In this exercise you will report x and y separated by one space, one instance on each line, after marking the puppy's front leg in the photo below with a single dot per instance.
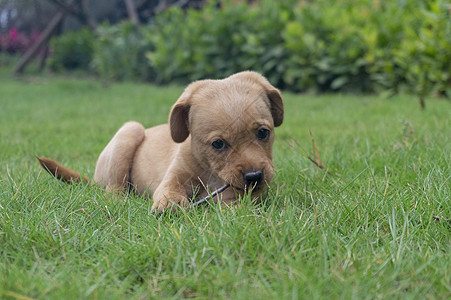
169 195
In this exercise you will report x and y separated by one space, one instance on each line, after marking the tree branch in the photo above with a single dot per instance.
131 11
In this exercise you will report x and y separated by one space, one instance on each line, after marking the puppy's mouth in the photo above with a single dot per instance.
252 189
250 182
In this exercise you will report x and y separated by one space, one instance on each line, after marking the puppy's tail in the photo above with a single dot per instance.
61 172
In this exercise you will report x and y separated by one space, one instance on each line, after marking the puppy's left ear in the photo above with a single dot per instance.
273 94
179 116
276 102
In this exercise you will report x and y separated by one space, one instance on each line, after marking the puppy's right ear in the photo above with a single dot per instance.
179 116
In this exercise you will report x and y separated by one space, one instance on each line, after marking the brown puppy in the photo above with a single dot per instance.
219 132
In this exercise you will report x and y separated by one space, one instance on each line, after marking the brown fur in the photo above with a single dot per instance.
169 161
60 172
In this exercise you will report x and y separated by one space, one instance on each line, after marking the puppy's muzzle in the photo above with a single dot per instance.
253 179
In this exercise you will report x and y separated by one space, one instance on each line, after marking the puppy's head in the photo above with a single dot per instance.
231 122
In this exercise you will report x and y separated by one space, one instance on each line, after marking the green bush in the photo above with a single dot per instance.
119 52
425 52
321 45
217 42
412 47
368 45
72 50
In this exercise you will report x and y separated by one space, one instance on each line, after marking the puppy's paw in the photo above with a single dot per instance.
171 201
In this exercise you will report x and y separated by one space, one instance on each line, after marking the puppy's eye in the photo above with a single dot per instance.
219 145
263 134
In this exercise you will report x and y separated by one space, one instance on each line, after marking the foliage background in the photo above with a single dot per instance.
322 45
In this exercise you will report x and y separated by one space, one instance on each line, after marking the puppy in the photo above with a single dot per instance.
219 132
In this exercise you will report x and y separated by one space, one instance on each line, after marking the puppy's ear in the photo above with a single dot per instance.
273 94
275 100
179 116
277 110
179 120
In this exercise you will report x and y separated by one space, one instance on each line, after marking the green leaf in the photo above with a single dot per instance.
339 82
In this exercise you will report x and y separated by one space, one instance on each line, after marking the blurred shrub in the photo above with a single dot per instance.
321 45
327 47
409 46
72 50
17 42
119 52
367 45
13 42
424 54
215 42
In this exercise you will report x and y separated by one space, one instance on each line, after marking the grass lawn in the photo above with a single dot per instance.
374 223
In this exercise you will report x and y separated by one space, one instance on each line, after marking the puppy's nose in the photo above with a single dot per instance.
253 178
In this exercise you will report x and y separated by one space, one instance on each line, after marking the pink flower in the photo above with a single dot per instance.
13 33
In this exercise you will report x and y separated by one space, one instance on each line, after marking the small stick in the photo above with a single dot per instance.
208 197
318 162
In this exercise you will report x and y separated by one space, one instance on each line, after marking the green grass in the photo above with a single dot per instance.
373 224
